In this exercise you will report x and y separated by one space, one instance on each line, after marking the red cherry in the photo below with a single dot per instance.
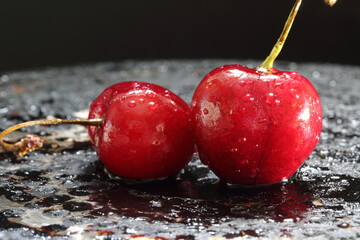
256 126
146 131
253 128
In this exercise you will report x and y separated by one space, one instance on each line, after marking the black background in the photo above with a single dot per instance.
49 33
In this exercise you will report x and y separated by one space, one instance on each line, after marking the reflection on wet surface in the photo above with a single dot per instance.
184 201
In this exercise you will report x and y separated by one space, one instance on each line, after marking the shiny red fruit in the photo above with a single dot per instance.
146 133
255 128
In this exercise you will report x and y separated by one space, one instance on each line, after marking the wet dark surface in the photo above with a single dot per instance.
63 191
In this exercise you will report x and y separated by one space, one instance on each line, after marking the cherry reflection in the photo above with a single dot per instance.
185 201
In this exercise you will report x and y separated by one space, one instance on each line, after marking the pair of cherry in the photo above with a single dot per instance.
251 126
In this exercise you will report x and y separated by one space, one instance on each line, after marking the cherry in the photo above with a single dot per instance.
146 131
253 128
139 131
256 126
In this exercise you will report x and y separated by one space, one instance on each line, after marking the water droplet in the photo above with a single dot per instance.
241 140
240 109
248 98
56 213
344 225
205 111
279 85
152 106
5 78
155 203
261 120
253 172
33 107
141 100
244 161
233 150
12 212
44 191
156 142
242 83
4 110
76 206
208 85
160 127
132 103
272 100
149 93
316 74
111 135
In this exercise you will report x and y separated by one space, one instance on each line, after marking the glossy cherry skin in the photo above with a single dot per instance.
146 133
253 128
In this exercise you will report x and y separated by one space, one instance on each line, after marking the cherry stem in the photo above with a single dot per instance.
31 142
267 65
330 2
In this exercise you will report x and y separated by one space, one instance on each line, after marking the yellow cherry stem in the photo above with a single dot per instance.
31 142
268 64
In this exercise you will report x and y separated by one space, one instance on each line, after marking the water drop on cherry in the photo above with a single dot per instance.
132 103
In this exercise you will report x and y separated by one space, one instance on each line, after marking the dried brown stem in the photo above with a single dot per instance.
31 142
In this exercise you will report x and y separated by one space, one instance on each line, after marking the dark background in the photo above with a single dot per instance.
50 33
